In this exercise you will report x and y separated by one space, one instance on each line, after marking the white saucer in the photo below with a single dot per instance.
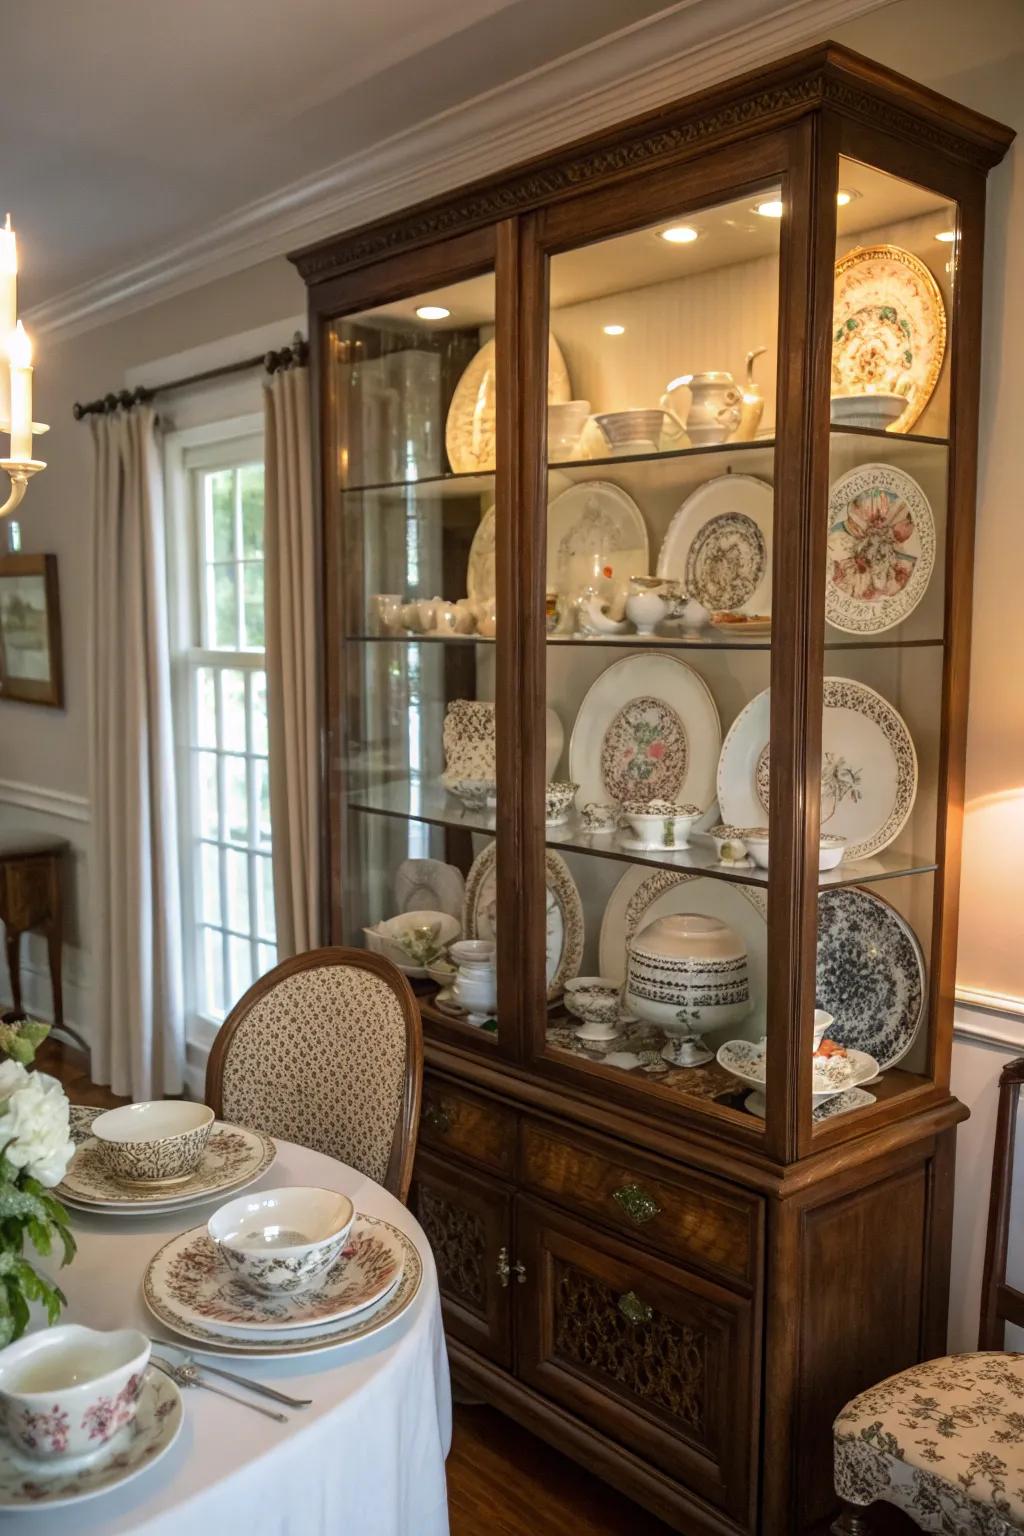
25 1484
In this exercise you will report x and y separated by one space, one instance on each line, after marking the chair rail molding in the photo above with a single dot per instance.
683 49
49 802
994 1018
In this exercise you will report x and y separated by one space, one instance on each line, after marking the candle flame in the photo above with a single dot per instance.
19 347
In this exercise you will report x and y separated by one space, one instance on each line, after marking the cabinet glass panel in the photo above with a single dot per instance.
661 420
414 387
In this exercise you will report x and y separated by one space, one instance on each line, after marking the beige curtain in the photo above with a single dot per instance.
139 1047
292 671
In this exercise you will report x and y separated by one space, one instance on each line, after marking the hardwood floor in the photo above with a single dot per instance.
502 1481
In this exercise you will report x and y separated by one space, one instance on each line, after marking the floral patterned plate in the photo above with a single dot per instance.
196 1279
830 1075
150 1435
881 549
871 974
852 1098
597 538
719 545
868 775
648 729
205 1334
235 1156
888 328
469 431
564 914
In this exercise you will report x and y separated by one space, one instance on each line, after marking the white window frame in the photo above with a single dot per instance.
211 446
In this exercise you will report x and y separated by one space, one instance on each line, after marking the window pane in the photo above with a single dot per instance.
233 710
262 774
268 958
259 711
220 515
236 867
252 580
236 800
209 825
209 883
265 899
240 958
212 990
225 607
206 708
251 481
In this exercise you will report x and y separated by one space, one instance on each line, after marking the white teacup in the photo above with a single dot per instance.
388 610
67 1392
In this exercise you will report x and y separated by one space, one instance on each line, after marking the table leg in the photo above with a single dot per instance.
13 943
54 948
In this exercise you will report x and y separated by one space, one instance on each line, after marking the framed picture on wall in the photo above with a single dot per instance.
30 643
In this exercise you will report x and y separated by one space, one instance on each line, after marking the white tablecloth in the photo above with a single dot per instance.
367 1459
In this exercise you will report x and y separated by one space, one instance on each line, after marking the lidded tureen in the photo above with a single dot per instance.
687 973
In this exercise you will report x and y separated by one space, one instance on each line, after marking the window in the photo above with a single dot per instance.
222 715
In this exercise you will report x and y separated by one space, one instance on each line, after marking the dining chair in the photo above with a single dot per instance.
327 1050
944 1441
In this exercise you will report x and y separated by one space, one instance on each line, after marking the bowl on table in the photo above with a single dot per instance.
158 1142
67 1391
282 1240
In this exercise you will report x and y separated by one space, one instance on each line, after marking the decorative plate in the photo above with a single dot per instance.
747 1060
81 1117
470 428
141 1444
234 1158
597 538
481 569
868 775
564 914
214 1339
888 328
648 729
642 895
719 545
841 1104
194 1277
428 885
881 549
870 974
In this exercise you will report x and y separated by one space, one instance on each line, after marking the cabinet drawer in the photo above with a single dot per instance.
661 1360
692 1217
454 1120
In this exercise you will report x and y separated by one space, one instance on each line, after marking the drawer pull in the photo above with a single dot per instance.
633 1309
638 1205
504 1270
436 1118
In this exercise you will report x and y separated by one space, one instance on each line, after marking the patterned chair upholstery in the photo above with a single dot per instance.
326 1051
943 1441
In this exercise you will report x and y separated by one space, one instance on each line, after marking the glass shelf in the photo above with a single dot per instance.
418 800
448 484
694 641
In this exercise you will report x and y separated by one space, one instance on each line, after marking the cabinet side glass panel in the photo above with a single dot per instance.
661 422
416 773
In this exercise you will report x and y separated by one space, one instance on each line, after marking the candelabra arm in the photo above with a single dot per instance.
20 472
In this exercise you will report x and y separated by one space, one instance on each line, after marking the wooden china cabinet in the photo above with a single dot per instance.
674 1276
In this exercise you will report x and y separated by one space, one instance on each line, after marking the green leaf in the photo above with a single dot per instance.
19 1309
39 1232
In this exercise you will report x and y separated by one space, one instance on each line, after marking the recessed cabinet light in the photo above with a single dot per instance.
432 312
947 236
679 234
846 195
614 330
770 208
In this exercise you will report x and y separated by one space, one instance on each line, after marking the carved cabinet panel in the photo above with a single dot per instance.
468 1221
653 1355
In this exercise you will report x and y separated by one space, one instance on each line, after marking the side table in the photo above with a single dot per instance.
30 897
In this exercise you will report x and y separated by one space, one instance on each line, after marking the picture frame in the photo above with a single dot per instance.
31 670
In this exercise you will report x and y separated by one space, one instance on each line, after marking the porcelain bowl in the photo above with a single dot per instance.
830 847
595 999
471 953
867 410
687 973
600 816
632 431
661 823
558 802
566 421
282 1240
413 940
158 1142
822 1020
68 1391
475 794
729 844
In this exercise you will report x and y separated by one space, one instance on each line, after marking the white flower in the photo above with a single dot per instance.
34 1121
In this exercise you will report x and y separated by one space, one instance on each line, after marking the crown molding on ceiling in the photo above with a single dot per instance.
693 45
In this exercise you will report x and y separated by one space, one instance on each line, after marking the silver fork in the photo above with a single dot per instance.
188 1376
247 1381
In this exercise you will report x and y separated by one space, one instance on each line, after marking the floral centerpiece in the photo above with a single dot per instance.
35 1150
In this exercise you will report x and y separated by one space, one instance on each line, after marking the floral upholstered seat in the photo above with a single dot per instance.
943 1441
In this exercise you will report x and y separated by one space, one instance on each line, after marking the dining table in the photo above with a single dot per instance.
365 1458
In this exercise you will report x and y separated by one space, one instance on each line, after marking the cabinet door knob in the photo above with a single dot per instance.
520 1272
638 1205
436 1118
504 1269
633 1309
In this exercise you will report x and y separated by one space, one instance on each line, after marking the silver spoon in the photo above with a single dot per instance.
246 1381
188 1376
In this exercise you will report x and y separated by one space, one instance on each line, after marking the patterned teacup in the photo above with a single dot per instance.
282 1240
68 1391
158 1142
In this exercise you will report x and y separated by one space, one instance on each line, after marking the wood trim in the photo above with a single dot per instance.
996 1304
403 1145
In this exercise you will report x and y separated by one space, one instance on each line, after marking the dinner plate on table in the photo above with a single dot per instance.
173 1306
234 1158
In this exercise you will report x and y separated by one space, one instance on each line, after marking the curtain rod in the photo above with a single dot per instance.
287 357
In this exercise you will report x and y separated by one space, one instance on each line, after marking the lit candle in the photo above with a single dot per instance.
19 349
8 309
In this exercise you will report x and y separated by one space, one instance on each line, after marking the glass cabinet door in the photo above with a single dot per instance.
411 569
660 513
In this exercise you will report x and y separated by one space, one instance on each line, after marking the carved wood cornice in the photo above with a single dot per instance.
827 77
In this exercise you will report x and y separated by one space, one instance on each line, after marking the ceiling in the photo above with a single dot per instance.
140 124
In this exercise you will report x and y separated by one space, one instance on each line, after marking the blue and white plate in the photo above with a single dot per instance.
870 974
